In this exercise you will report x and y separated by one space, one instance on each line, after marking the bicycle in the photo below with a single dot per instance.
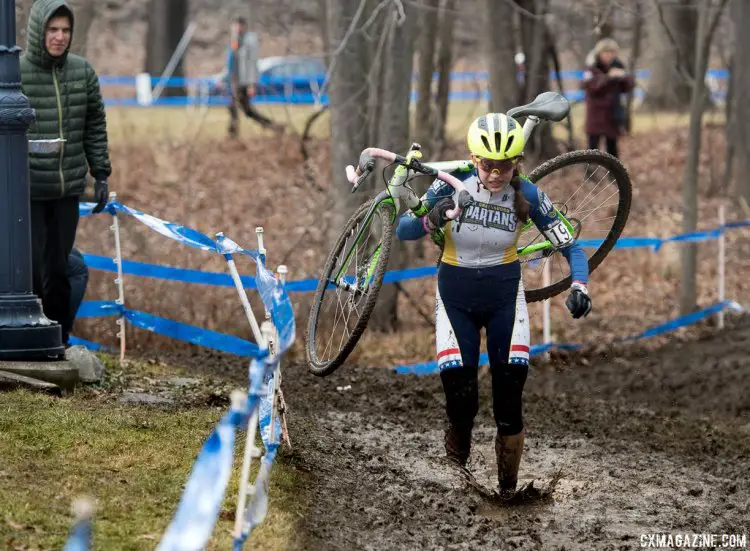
355 267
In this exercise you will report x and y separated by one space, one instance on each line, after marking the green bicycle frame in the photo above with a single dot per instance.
380 198
389 196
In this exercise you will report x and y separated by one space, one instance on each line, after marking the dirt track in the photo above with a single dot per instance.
619 447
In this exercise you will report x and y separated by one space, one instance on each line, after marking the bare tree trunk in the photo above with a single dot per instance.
536 39
672 33
347 95
167 23
730 133
323 6
23 7
444 66
84 12
708 17
428 39
394 135
635 55
380 30
571 143
499 52
740 109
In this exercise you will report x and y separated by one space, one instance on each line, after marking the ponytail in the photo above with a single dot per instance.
520 203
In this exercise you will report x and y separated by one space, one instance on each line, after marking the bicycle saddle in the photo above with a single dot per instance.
551 106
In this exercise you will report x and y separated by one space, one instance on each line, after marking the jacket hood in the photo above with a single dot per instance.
40 14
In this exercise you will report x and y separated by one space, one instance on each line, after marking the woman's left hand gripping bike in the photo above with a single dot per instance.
596 187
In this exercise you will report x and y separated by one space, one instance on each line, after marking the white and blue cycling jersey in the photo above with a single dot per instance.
489 232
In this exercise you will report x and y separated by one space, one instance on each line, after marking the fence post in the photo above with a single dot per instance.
722 264
546 324
243 296
115 227
281 271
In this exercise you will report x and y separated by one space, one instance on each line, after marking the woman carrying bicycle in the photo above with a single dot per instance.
480 286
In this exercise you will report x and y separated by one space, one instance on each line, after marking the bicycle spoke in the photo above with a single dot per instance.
597 195
591 187
583 183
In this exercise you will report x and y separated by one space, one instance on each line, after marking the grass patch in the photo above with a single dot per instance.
132 460
129 125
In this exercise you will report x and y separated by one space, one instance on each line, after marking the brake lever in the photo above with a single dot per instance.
463 203
460 220
369 167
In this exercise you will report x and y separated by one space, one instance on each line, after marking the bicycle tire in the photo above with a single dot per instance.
323 368
624 187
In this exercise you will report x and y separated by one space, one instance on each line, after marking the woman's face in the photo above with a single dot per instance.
607 56
495 175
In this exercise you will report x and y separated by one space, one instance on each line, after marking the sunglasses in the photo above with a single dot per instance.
488 165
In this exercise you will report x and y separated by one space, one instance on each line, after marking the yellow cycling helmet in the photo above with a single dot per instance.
495 136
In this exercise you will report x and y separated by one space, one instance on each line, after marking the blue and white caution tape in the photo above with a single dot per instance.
201 501
192 334
219 279
277 302
99 309
80 535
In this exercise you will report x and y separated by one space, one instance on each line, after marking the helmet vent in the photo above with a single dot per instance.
510 143
498 141
486 143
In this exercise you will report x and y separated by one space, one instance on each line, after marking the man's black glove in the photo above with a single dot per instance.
101 195
578 302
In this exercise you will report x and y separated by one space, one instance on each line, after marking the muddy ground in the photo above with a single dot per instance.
619 444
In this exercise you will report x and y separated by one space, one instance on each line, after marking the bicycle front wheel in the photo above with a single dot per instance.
592 190
348 287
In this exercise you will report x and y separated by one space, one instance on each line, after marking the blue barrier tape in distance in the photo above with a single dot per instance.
455 76
192 334
98 309
429 368
144 269
306 285
95 346
197 239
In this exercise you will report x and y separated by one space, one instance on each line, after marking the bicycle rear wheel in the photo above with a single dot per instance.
596 192
349 286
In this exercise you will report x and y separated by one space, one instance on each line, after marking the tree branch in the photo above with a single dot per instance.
342 45
678 53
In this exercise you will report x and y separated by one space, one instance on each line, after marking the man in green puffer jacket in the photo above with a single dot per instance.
63 89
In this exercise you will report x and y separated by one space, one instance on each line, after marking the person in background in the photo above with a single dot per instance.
78 274
604 82
240 78
63 89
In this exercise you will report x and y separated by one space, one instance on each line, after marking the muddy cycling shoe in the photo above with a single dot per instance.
506 494
457 444
508 451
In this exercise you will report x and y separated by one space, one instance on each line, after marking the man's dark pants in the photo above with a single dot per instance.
241 100
53 232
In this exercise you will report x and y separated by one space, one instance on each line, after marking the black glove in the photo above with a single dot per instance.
578 302
436 218
101 195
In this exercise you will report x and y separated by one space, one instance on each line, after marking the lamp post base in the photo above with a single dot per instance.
25 332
